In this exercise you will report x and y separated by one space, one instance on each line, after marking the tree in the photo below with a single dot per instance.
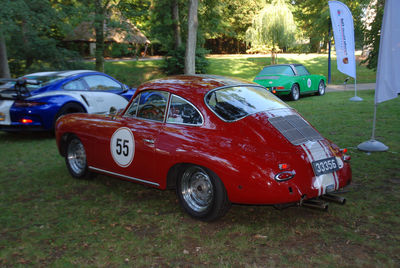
4 69
273 26
372 33
32 33
313 19
191 42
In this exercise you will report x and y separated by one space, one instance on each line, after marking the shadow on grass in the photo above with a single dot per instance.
26 136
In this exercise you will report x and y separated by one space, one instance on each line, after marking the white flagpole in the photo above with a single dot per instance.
373 145
355 98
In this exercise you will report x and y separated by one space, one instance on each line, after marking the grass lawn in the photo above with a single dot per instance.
247 67
50 219
133 73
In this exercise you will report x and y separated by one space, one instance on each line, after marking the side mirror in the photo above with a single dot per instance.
113 111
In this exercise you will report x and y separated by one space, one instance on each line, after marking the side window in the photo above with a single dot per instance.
100 82
182 112
301 70
75 85
132 110
152 105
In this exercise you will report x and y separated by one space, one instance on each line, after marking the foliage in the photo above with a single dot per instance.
273 26
33 33
313 19
174 62
372 35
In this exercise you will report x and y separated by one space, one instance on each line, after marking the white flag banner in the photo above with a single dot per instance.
343 33
388 72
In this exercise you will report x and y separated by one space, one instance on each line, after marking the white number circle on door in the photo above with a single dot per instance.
122 146
309 82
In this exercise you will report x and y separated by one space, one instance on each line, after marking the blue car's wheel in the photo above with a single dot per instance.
69 108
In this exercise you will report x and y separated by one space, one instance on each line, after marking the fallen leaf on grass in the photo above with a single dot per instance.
258 236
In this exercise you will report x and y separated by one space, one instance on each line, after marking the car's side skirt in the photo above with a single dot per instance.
123 176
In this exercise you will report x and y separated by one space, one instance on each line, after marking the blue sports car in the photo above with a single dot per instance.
35 101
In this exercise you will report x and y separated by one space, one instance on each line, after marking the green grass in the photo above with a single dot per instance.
134 73
248 67
47 218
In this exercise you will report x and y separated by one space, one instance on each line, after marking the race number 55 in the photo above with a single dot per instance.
122 146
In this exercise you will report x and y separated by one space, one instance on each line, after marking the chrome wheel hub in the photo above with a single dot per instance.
197 189
76 156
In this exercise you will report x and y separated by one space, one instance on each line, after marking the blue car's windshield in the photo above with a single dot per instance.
234 103
277 70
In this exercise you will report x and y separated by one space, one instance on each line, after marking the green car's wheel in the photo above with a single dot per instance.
295 92
321 88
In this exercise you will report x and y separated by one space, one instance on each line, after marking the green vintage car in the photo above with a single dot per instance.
291 79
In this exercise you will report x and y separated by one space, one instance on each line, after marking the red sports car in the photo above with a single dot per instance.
215 140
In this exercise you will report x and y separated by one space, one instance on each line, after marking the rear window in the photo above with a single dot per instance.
234 103
277 70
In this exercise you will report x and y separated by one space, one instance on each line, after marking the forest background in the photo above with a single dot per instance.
33 32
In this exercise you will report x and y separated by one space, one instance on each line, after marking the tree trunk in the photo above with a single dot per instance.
190 56
99 30
4 70
177 26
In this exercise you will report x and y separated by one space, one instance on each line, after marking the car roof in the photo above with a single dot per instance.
186 85
289 64
61 73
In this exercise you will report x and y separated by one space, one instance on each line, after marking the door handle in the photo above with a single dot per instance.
149 141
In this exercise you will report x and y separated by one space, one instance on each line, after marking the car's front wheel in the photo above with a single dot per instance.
295 92
321 88
201 193
75 158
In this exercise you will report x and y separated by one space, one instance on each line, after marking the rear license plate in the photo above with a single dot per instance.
325 166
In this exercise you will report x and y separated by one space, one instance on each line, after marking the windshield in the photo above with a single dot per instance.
234 103
277 70
44 80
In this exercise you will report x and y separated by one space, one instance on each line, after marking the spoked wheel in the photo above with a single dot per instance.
295 92
202 194
75 159
321 88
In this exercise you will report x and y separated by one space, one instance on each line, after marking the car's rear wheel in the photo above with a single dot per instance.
75 158
202 194
295 92
321 88
69 108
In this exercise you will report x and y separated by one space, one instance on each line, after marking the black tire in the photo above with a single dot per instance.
295 92
75 159
321 88
201 193
68 108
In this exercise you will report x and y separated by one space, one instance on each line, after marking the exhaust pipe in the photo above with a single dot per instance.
315 204
334 198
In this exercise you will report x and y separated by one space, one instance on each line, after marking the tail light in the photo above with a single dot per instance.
345 157
26 121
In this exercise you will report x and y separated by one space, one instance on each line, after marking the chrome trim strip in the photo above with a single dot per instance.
123 176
